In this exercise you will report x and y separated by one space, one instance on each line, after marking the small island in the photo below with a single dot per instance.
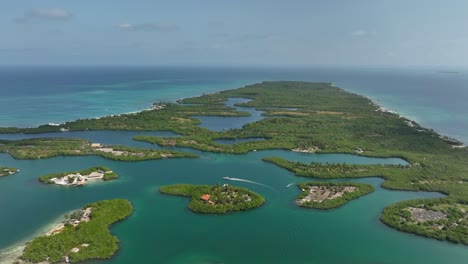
80 178
215 199
6 171
83 235
441 219
328 195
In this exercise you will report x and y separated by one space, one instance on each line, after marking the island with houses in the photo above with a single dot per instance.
6 171
80 178
328 195
82 235
215 199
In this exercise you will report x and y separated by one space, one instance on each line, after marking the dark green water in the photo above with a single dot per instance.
163 230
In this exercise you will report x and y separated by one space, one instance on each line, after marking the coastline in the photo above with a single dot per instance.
10 254
140 103
413 118
382 104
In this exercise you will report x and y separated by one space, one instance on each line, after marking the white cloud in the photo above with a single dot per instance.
45 13
359 33
148 27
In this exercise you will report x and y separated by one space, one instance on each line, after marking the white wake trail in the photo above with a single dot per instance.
243 180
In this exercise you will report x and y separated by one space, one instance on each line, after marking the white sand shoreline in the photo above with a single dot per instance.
10 254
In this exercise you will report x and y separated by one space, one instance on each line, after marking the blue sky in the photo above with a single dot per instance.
235 32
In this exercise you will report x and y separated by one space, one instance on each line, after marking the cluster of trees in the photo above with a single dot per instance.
455 226
52 147
95 233
138 154
361 189
224 199
340 170
45 147
205 143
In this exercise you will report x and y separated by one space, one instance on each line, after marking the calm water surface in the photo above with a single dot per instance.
162 229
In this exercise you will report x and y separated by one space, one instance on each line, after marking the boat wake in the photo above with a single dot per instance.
289 185
243 180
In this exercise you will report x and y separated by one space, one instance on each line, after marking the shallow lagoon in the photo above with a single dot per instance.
219 123
163 230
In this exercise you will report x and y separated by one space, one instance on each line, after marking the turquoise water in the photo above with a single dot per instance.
216 123
103 137
162 229
30 96
55 95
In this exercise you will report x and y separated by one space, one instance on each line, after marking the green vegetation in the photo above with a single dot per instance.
391 173
5 171
215 199
92 237
107 174
327 119
41 148
328 195
442 219
173 117
204 144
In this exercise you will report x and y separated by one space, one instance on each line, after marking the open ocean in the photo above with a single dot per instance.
162 229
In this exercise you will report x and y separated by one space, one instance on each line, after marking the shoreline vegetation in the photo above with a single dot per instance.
329 195
299 116
42 148
215 199
6 171
434 218
82 235
79 178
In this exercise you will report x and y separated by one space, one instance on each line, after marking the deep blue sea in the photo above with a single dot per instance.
30 96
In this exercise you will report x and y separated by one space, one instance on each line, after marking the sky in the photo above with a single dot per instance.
234 32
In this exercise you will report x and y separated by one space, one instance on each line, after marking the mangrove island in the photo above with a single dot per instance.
439 219
83 235
216 199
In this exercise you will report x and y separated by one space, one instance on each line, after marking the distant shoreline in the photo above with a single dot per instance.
376 101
